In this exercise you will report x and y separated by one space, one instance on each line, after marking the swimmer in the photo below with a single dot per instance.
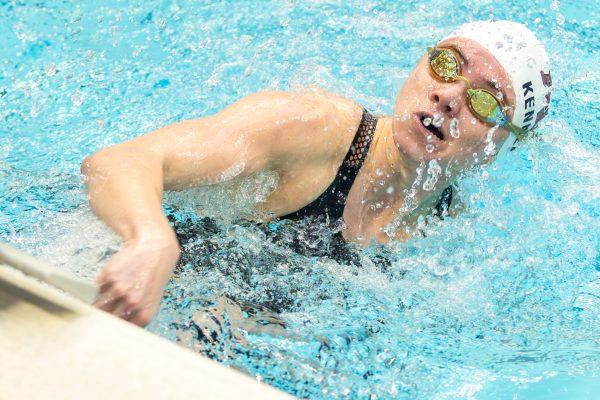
474 95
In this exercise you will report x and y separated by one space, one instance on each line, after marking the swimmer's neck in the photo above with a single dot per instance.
385 182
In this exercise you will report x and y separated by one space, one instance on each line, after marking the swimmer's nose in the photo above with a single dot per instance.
450 98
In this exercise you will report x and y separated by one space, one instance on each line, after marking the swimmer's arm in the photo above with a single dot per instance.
126 182
267 130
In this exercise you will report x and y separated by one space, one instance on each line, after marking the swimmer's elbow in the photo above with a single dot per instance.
86 165
92 163
97 162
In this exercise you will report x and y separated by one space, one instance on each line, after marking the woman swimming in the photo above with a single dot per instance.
469 98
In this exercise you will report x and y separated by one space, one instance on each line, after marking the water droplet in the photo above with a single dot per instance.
454 131
34 110
50 70
77 99
390 190
438 120
427 121
421 222
430 148
473 120
490 149
433 173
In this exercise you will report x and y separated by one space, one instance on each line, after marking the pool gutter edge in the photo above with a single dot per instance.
56 346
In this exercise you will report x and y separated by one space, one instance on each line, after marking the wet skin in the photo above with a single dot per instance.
303 137
423 94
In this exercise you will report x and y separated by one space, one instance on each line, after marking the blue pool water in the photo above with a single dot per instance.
502 302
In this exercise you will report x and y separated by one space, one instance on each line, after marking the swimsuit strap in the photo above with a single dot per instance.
331 202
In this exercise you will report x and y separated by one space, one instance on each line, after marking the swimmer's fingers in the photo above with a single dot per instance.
108 299
142 317
125 303
126 310
130 306
110 291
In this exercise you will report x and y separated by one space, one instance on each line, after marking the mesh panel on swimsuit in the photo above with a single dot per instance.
331 202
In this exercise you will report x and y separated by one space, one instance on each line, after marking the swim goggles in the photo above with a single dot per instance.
444 66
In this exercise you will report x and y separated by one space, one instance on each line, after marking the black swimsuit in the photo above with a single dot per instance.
332 201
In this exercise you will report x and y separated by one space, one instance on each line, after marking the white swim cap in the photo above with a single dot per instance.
525 60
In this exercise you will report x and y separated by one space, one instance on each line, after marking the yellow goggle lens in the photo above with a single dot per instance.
483 103
444 64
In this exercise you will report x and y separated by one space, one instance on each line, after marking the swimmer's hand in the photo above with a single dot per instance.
133 280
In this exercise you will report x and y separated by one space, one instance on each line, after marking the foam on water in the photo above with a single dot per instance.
501 301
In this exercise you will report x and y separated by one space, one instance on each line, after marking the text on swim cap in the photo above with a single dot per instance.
529 103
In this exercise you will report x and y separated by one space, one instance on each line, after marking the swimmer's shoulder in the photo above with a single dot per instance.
331 105
309 104
309 124
335 117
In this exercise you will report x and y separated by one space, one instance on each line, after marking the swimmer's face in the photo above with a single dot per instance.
423 96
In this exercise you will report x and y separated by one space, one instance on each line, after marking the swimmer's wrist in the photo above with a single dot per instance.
159 236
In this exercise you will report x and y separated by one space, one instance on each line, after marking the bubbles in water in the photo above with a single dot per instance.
454 131
430 147
427 121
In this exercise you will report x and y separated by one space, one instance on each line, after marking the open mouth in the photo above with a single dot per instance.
428 123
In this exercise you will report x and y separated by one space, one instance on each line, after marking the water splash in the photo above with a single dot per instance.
498 301
433 174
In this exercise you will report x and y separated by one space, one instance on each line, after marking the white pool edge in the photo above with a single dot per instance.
53 345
